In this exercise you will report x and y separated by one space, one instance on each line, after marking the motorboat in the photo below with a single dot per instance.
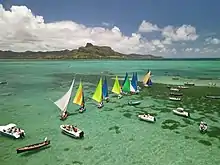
175 98
203 127
72 131
174 89
12 130
134 102
183 87
189 84
213 97
33 146
176 94
181 112
175 78
3 82
147 117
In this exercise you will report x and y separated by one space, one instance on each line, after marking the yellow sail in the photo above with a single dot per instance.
116 87
79 95
97 96
146 77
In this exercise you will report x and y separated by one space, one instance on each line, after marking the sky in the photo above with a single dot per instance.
169 28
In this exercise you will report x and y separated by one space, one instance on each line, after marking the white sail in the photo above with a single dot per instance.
63 102
132 88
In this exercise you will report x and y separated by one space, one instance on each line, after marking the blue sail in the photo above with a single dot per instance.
134 82
126 76
136 77
105 89
149 82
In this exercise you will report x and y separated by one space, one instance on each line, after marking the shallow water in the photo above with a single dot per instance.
114 134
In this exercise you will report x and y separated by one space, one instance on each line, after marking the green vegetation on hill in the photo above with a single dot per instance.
88 52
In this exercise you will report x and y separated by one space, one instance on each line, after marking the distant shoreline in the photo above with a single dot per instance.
102 59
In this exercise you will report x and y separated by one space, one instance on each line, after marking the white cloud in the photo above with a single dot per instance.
147 27
214 41
20 30
183 33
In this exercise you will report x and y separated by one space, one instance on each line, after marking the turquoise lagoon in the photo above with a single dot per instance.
114 134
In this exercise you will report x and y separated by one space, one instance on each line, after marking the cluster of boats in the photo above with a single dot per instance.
100 95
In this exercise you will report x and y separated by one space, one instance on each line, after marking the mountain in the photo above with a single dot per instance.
88 52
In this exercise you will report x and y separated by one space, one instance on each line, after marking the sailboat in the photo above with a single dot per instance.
98 95
133 85
126 76
63 102
126 87
136 79
117 88
147 80
79 98
105 91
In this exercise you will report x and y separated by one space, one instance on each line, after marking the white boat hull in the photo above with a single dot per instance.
78 134
184 113
147 118
174 89
175 98
4 131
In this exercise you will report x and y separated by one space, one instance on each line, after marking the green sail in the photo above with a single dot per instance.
126 86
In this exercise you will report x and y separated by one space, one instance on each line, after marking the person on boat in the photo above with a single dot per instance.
74 128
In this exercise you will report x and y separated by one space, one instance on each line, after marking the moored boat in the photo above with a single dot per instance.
213 97
3 82
12 130
33 146
134 102
176 94
147 117
181 112
72 131
183 87
203 127
189 84
174 89
175 98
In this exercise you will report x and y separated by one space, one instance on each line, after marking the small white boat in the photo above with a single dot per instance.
181 112
72 131
175 98
189 84
203 127
12 130
183 87
147 118
134 102
174 89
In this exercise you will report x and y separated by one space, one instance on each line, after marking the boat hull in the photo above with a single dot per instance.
33 147
174 99
4 132
184 114
134 103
